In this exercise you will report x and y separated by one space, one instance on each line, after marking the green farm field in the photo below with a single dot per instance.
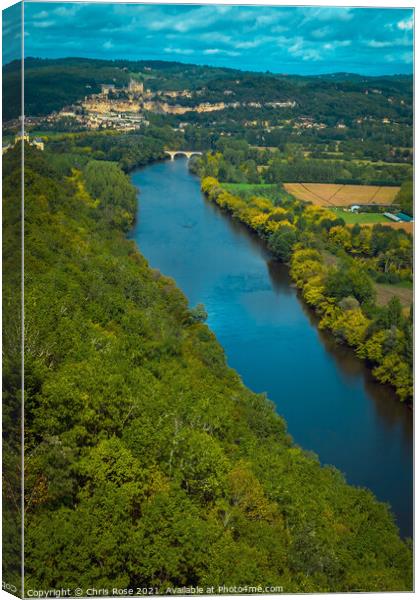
360 218
255 188
272 191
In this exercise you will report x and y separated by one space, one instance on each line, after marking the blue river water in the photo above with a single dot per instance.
331 403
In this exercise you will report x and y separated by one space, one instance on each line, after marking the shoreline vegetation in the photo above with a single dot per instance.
148 462
331 264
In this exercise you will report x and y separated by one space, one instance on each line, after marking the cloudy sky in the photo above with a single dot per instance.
280 39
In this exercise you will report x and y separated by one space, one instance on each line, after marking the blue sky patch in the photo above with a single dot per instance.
303 40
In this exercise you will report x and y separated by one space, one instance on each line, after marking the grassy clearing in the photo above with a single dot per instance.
361 218
48 134
272 191
255 188
329 259
386 291
380 163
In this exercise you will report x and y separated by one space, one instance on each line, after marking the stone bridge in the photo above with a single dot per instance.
187 153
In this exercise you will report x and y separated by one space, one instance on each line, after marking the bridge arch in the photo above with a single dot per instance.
187 153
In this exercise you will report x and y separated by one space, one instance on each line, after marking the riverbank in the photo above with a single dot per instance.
343 296
332 404
146 452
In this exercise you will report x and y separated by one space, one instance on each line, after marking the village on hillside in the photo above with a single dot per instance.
125 108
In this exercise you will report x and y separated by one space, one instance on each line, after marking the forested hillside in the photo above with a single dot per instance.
52 83
148 462
12 371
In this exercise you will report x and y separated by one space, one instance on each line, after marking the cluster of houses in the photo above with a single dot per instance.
36 142
124 108
111 108
305 122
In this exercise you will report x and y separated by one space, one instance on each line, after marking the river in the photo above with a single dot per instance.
329 399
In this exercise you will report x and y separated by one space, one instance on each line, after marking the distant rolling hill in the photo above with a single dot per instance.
51 84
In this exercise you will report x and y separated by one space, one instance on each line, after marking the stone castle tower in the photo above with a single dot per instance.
135 87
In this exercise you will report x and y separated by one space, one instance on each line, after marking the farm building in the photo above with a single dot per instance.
391 216
403 217
398 217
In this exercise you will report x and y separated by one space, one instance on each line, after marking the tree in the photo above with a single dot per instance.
341 237
349 281
281 242
394 370
202 464
198 314
405 196
393 313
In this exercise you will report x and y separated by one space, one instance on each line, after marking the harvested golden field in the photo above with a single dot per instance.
332 194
